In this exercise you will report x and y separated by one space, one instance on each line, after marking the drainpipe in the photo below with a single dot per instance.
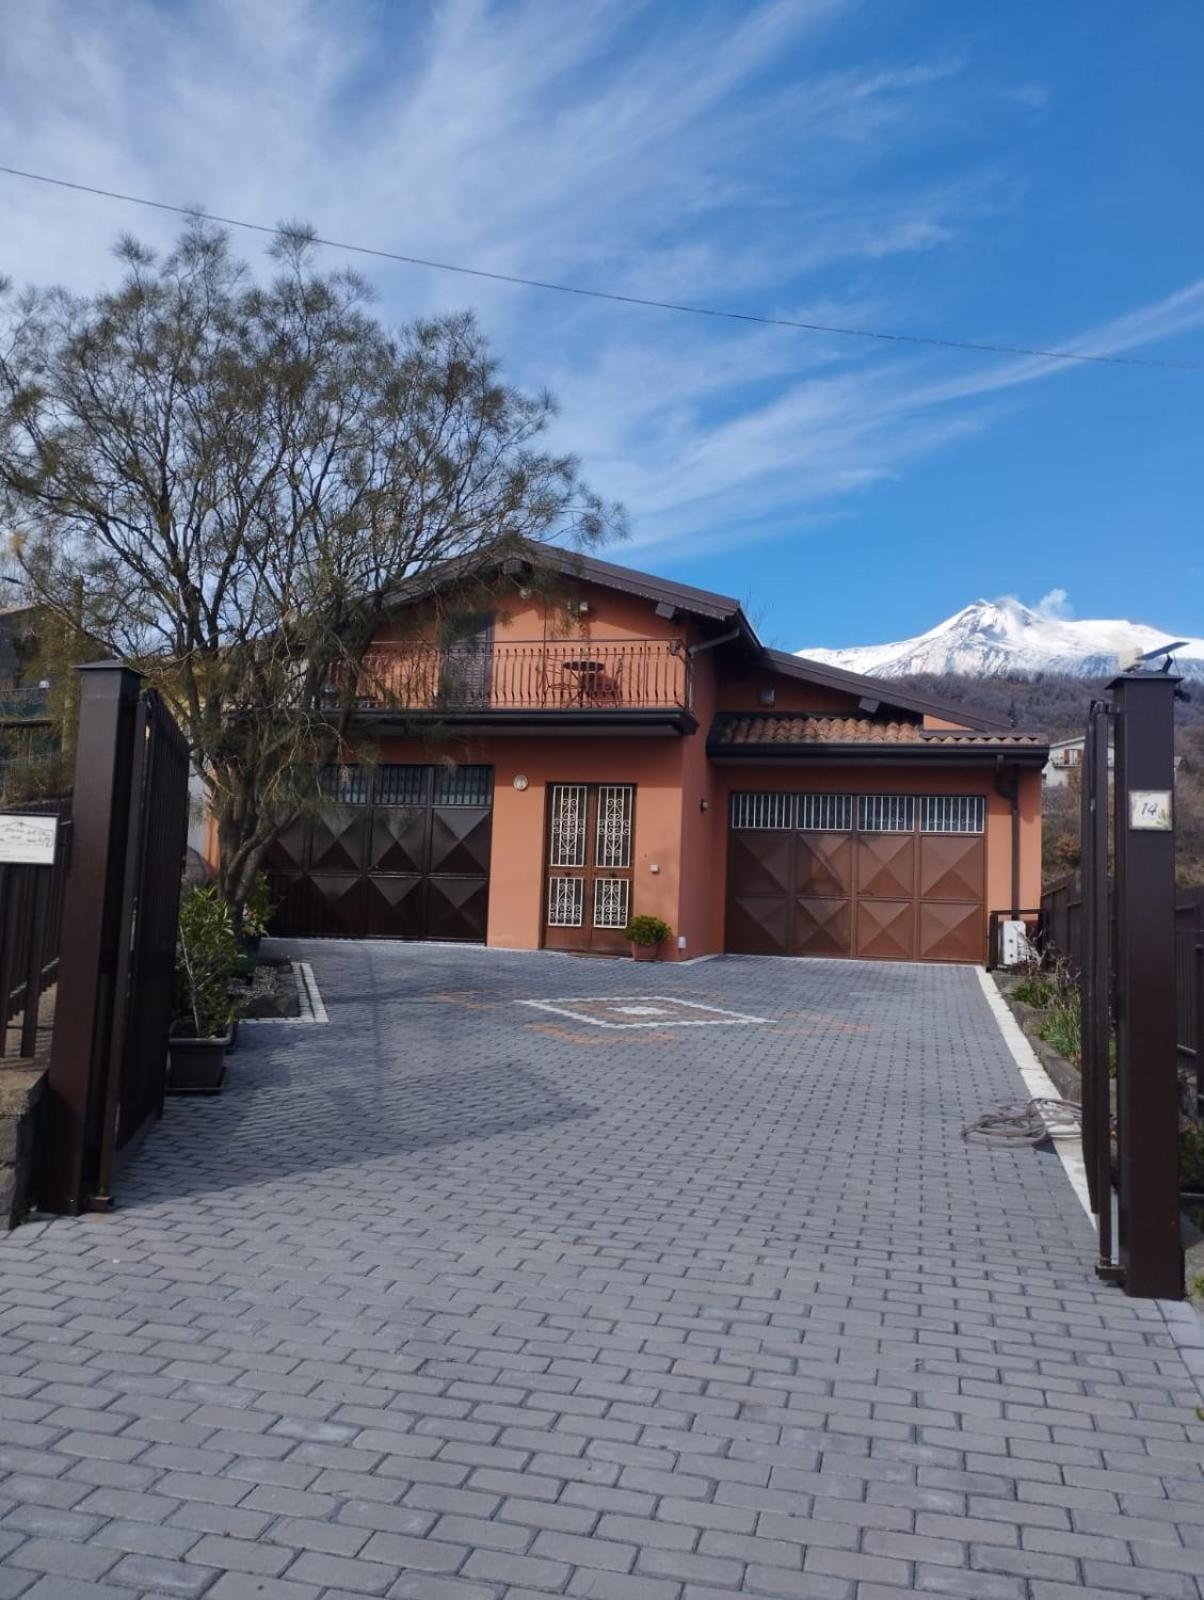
1008 786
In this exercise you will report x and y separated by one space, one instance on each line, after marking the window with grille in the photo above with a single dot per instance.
463 786
399 785
762 810
613 843
826 813
952 813
886 813
346 785
612 897
568 829
566 901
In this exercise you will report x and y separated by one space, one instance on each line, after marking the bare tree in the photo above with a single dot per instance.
237 476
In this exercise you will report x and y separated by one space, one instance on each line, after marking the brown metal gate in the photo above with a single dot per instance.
884 877
398 851
108 1058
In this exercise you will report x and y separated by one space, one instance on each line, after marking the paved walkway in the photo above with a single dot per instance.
461 1299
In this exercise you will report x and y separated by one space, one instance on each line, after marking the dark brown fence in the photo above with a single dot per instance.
1189 976
1062 919
31 909
1062 931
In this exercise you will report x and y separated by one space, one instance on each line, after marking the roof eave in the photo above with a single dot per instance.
881 689
930 754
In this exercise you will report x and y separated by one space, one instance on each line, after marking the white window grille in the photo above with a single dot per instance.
566 902
826 813
568 827
612 897
952 813
762 810
613 844
886 813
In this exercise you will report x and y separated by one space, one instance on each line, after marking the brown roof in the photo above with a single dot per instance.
792 729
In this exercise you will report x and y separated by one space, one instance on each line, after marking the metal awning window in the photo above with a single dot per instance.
887 813
463 786
825 813
952 813
762 810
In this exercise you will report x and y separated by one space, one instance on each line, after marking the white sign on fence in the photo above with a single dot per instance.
27 840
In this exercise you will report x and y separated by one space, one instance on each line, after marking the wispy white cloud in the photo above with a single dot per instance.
612 143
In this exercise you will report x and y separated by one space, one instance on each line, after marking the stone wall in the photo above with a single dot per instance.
22 1096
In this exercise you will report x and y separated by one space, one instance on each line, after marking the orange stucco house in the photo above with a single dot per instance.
590 742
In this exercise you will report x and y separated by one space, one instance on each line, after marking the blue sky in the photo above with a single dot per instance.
1025 173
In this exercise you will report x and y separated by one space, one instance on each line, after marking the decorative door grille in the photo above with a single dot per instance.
566 901
568 825
612 900
613 843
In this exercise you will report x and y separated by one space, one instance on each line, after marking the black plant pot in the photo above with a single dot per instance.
196 1066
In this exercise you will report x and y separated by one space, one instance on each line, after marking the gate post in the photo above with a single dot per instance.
1151 1254
92 932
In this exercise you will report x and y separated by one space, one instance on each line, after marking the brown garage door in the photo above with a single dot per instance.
893 877
397 852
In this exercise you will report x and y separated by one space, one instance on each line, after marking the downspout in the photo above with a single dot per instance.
1008 786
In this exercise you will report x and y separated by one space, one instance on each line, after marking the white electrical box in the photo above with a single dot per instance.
1015 946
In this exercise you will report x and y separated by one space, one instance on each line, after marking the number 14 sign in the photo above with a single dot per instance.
1150 810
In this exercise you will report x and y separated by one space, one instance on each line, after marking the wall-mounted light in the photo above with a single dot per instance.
766 697
520 781
704 805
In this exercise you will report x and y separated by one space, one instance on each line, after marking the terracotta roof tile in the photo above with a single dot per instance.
800 728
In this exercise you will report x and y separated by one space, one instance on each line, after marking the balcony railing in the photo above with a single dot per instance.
541 675
21 700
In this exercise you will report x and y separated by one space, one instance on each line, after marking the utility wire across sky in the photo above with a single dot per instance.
977 347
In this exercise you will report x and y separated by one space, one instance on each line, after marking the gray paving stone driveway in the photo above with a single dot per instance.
461 1299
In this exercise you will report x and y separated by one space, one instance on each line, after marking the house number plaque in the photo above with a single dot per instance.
1150 810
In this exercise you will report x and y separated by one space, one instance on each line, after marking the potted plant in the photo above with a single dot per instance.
646 935
207 958
257 911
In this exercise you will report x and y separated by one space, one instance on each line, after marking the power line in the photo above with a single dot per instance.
622 299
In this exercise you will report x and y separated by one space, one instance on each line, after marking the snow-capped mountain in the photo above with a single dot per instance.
994 638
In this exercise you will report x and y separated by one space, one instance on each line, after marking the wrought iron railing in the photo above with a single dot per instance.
561 674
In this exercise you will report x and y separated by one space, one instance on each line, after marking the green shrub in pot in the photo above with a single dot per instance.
646 935
207 963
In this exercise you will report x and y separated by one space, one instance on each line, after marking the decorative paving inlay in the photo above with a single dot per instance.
653 1011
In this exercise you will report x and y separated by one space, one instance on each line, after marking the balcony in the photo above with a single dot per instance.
24 703
587 684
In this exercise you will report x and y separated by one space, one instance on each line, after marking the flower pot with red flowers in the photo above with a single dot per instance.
646 935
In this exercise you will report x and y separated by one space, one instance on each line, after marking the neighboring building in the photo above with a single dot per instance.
623 744
1066 758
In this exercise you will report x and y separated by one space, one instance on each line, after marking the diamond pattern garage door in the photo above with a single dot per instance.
401 852
885 877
